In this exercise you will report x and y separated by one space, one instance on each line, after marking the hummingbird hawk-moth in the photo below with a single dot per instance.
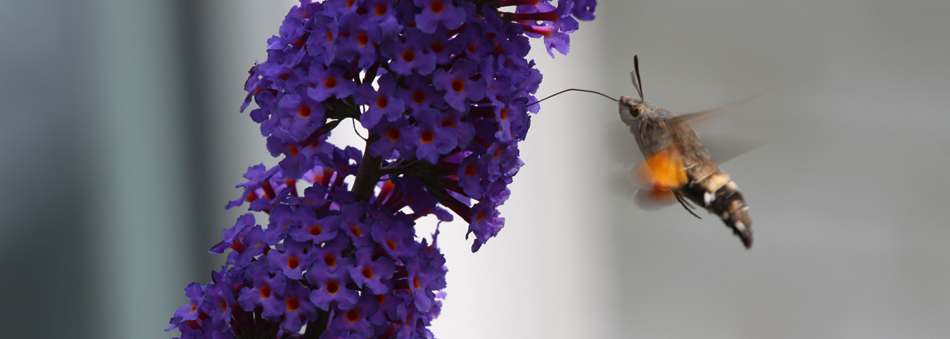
678 163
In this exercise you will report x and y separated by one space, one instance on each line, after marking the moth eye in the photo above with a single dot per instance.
637 110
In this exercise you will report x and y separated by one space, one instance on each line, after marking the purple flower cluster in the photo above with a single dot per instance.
442 86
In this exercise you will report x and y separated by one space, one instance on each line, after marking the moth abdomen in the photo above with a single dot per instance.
726 202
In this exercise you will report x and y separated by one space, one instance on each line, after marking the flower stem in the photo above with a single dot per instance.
369 173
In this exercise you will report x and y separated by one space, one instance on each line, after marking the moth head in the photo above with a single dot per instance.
631 109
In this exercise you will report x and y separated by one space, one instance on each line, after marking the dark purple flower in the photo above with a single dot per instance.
502 160
421 95
357 229
435 12
233 235
299 115
330 287
324 32
463 129
396 237
409 57
281 218
257 176
458 84
384 102
331 254
444 45
297 307
354 320
392 137
359 38
470 174
250 246
371 273
265 291
485 222
329 82
218 304
294 258
313 229
426 274
195 293
430 138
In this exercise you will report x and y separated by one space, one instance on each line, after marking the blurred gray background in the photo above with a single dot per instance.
121 143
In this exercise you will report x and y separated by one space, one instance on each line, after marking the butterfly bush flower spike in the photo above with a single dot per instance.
329 248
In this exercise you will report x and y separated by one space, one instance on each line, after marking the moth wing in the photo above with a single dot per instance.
659 174
637 184
698 117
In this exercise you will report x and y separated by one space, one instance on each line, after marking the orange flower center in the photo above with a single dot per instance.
426 137
408 56
392 134
437 7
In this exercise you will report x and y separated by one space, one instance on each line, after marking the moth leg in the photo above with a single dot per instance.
685 206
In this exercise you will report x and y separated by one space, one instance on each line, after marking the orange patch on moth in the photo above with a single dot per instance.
665 170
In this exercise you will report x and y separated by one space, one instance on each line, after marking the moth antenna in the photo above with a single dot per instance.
633 79
638 84
572 89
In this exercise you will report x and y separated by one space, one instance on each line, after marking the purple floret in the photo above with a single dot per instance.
430 138
435 12
265 291
354 320
297 306
370 273
291 260
330 287
458 85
